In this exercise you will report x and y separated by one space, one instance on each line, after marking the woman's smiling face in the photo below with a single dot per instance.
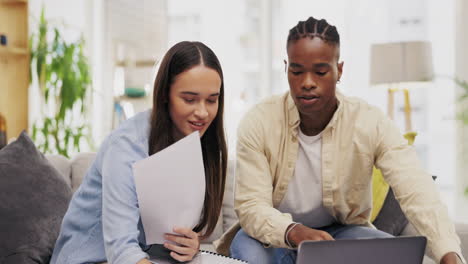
193 100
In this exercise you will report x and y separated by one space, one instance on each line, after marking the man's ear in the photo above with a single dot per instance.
285 65
340 69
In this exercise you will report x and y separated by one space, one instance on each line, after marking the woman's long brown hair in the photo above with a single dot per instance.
182 57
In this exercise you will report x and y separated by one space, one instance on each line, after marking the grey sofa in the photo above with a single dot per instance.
75 169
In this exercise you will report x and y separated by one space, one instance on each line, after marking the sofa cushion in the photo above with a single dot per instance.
380 189
62 165
34 197
80 165
391 218
379 193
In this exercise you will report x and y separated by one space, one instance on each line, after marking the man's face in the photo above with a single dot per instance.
313 71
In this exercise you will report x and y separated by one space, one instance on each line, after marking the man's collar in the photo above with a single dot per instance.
293 112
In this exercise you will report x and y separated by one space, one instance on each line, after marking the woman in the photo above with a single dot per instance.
103 222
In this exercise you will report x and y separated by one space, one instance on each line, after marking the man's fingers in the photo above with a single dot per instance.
327 236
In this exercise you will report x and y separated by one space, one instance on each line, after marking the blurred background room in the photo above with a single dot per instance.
407 57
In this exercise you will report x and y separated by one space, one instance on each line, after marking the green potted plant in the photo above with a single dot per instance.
62 73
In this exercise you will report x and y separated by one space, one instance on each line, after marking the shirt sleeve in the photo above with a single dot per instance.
120 214
415 191
254 187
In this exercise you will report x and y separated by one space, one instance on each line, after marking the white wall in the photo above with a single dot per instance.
74 14
97 48
462 131
219 25
132 31
440 111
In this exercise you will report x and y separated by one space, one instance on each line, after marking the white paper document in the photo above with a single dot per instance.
170 187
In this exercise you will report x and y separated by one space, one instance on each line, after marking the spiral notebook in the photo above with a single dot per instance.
203 257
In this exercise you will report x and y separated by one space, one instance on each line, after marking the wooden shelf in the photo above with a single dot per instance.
13 2
14 65
13 51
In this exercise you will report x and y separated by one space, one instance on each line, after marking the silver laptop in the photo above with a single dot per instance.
401 250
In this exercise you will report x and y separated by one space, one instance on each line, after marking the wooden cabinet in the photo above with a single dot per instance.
14 65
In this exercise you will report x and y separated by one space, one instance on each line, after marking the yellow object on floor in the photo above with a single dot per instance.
380 187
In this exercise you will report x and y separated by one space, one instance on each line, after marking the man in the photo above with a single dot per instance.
305 159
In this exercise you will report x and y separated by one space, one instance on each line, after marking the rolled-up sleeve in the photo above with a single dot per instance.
415 191
120 213
254 187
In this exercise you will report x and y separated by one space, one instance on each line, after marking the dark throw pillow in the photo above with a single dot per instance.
33 200
391 218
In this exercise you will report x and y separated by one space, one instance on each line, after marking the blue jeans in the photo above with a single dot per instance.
249 249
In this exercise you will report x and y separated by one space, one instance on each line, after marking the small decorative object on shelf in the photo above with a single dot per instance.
3 138
3 40
135 92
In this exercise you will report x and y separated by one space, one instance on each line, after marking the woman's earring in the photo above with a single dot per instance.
338 81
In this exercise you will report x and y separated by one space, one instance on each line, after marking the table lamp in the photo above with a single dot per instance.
396 65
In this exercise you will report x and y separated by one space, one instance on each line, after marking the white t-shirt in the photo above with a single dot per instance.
303 199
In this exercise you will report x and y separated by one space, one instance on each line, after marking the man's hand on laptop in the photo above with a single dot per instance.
450 258
299 233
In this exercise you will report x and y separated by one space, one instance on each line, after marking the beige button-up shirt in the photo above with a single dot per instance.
358 137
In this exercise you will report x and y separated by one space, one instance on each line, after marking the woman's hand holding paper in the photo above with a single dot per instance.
186 245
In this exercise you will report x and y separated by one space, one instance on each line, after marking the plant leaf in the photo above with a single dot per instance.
63 73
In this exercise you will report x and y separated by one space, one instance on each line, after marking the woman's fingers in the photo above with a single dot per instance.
182 240
181 258
188 237
185 244
186 232
180 249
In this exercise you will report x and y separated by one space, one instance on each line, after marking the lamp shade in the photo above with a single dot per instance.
401 62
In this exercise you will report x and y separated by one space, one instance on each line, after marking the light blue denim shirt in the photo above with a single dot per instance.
103 221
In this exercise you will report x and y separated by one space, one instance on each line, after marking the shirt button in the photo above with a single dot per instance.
293 139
